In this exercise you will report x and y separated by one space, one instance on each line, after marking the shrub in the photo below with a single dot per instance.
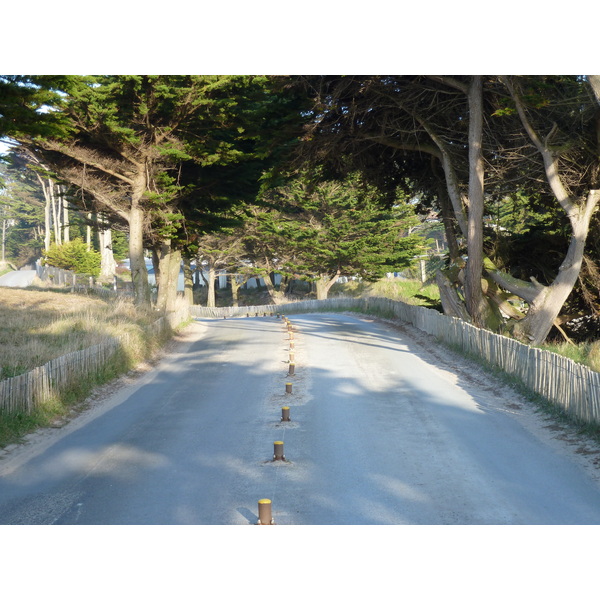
74 256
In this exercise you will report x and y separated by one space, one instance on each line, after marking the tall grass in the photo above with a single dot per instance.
38 326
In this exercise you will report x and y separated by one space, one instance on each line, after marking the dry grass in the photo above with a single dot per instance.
38 326
410 291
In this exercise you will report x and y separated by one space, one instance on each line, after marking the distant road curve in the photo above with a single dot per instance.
18 279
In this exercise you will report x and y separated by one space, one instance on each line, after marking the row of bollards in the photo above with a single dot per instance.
265 516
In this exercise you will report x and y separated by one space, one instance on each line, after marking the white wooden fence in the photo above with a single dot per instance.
563 382
81 283
22 394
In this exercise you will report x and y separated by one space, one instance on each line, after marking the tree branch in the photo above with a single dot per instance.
550 162
450 81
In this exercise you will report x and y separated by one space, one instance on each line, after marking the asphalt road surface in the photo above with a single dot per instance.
18 278
381 432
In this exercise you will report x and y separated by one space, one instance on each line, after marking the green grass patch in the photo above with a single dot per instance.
587 353
409 291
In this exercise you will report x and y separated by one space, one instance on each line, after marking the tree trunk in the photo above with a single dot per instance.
448 221
56 211
545 308
65 205
594 81
188 282
3 240
173 279
139 273
169 261
473 292
108 265
210 299
47 223
47 212
324 283
546 303
451 302
88 233
277 296
235 289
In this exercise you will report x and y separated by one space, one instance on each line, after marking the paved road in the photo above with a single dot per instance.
17 278
379 435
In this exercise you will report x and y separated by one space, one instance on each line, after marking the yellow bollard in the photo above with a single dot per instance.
278 451
265 516
285 413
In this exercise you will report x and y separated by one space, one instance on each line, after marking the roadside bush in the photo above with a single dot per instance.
74 256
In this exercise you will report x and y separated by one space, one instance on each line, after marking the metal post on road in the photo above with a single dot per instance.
288 388
278 451
265 516
285 413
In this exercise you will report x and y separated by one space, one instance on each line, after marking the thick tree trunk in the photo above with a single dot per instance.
324 283
546 307
277 296
451 302
168 275
139 273
473 292
173 271
235 289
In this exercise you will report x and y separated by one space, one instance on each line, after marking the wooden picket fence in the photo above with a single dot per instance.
22 394
563 382
82 284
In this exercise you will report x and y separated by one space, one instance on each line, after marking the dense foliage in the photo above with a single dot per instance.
510 165
73 256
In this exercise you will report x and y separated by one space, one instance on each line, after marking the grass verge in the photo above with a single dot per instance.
409 291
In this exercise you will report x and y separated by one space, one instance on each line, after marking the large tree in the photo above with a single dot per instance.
562 123
322 230
145 149
471 129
